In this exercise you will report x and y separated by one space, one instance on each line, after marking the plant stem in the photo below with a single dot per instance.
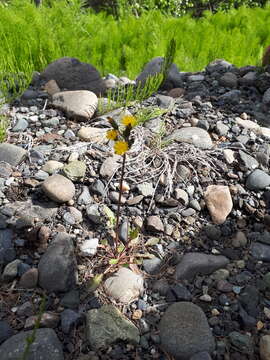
119 203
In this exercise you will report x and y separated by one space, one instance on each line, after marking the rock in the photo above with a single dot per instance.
241 342
165 102
57 266
51 87
69 319
204 355
178 292
71 299
10 271
106 325
154 223
48 320
124 286
29 279
258 180
182 196
71 74
92 134
152 266
21 125
260 251
52 166
176 92
109 167
12 154
192 135
79 105
174 78
228 80
85 198
89 247
184 331
265 347
250 162
100 214
5 331
221 129
266 97
75 170
146 189
98 187
7 251
218 65
231 97
58 188
45 347
219 202
198 263
247 124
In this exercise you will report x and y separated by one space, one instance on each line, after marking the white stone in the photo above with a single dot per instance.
89 247
247 124
229 156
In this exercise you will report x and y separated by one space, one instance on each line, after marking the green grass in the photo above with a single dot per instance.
31 38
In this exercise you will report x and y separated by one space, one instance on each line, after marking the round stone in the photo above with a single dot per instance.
58 188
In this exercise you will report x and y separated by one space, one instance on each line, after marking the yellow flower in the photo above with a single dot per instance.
112 134
120 147
129 120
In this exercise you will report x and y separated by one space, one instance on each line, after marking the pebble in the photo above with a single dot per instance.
58 188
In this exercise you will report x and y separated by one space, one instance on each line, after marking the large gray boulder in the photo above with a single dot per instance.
57 266
71 74
153 67
184 331
45 347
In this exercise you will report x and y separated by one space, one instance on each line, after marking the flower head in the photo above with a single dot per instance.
129 120
112 134
120 147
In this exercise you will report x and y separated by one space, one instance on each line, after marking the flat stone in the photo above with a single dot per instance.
11 271
124 286
250 162
75 170
265 347
146 189
72 74
258 180
219 202
5 331
247 124
58 188
52 166
92 134
229 156
184 331
154 223
106 325
260 251
21 125
198 263
109 167
12 154
192 135
80 105
45 347
29 279
57 266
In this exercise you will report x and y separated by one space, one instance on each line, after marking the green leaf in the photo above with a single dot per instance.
121 248
113 261
133 233
94 283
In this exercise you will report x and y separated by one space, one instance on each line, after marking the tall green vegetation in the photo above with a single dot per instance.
32 37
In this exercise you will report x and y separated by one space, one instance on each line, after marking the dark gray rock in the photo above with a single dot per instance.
45 347
204 355
250 162
69 319
198 263
57 267
173 80
218 65
241 342
228 80
71 74
231 97
184 331
71 299
260 251
152 266
5 331
12 154
258 180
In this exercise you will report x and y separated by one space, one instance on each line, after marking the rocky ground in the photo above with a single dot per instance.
197 186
